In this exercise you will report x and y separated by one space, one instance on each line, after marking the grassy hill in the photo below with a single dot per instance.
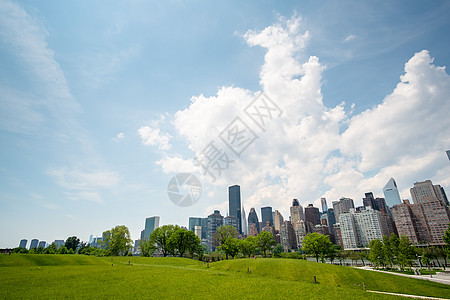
78 276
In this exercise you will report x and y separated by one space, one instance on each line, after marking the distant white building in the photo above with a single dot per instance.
358 228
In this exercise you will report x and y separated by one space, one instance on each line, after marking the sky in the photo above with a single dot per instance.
102 105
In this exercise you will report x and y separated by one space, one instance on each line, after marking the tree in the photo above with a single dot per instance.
390 248
265 241
277 250
376 254
317 244
230 246
147 248
51 249
63 250
81 247
117 240
182 241
223 233
446 239
160 237
248 245
406 252
333 252
72 243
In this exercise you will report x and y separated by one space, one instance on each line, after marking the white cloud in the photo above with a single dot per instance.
154 137
119 136
313 150
349 38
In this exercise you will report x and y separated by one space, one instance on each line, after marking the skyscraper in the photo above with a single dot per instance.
23 243
312 215
359 228
323 201
244 222
215 220
424 190
278 220
341 206
150 225
42 244
296 212
234 204
193 221
369 200
391 194
253 219
432 202
34 243
266 215
448 154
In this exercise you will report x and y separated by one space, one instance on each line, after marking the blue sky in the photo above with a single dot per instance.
102 104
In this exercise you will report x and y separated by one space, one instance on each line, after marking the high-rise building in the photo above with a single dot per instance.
244 222
42 244
330 218
323 202
232 221
425 190
34 243
342 206
194 221
287 236
253 220
198 231
391 194
359 228
369 200
380 203
410 222
278 220
429 215
312 215
59 243
204 229
151 224
296 212
448 154
266 215
23 243
215 220
234 204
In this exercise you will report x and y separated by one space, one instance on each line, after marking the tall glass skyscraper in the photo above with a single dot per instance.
234 204
253 220
150 225
391 194
266 215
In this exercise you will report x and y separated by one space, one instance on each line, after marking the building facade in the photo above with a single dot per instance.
234 205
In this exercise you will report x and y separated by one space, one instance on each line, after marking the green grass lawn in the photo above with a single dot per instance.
25 276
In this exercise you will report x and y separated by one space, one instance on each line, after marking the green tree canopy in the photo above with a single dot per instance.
248 245
160 238
184 241
117 240
376 254
317 244
72 243
406 252
147 248
265 241
223 233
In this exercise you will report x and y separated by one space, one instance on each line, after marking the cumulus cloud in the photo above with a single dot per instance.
312 150
154 137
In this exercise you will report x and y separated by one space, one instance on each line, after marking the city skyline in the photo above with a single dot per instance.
102 105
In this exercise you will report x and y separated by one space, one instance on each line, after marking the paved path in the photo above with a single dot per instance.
439 277
404 295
